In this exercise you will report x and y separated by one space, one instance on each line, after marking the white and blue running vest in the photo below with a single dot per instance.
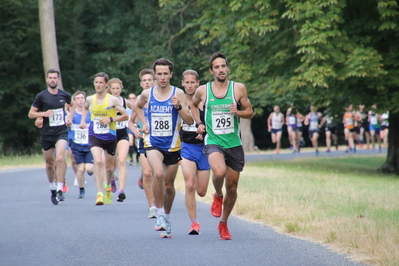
164 123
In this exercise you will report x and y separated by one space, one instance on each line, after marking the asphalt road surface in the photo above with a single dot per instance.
33 231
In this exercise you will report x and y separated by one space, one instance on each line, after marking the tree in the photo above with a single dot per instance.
323 52
48 36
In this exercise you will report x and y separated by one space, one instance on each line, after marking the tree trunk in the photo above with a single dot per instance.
247 138
391 165
48 37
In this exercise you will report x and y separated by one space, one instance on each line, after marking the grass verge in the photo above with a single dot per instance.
343 203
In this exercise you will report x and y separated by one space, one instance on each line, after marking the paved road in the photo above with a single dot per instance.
76 232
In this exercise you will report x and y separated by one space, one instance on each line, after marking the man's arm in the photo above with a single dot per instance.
140 103
184 112
196 100
242 98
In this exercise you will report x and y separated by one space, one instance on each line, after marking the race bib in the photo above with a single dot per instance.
58 118
81 136
222 123
349 121
291 120
99 128
121 124
373 120
313 125
161 125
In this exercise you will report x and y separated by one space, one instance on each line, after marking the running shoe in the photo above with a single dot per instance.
54 197
65 187
294 151
168 230
108 194
379 148
140 181
277 151
121 196
195 229
216 208
60 196
113 185
328 150
160 224
152 213
99 200
90 174
224 231
317 152
81 193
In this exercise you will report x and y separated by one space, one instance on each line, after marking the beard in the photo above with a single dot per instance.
53 86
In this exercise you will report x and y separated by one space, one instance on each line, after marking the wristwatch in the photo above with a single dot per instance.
179 107
198 124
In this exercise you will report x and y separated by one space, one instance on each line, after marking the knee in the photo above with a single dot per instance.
190 186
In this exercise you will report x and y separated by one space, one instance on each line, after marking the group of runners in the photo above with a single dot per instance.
197 128
361 127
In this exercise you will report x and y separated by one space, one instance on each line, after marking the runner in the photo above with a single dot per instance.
146 81
349 129
363 129
102 134
375 126
132 140
115 87
275 124
225 102
194 165
292 128
384 129
331 130
51 104
79 142
166 108
314 120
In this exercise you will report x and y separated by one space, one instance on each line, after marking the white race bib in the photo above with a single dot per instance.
291 120
222 123
121 124
161 125
313 125
58 118
374 120
349 121
81 136
99 128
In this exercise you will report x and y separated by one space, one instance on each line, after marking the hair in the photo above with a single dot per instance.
163 62
216 55
77 93
53 70
146 71
102 75
114 80
190 72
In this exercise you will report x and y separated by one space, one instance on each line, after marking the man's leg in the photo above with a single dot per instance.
155 159
189 170
230 198
60 161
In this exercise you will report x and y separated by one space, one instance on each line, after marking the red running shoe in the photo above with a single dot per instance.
224 231
216 208
195 229
65 187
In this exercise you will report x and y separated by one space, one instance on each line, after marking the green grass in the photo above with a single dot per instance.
21 161
343 202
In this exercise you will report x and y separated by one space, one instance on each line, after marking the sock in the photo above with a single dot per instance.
167 216
194 220
160 211
52 186
60 185
121 191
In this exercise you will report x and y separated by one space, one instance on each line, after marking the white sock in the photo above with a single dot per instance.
161 211
60 185
52 186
